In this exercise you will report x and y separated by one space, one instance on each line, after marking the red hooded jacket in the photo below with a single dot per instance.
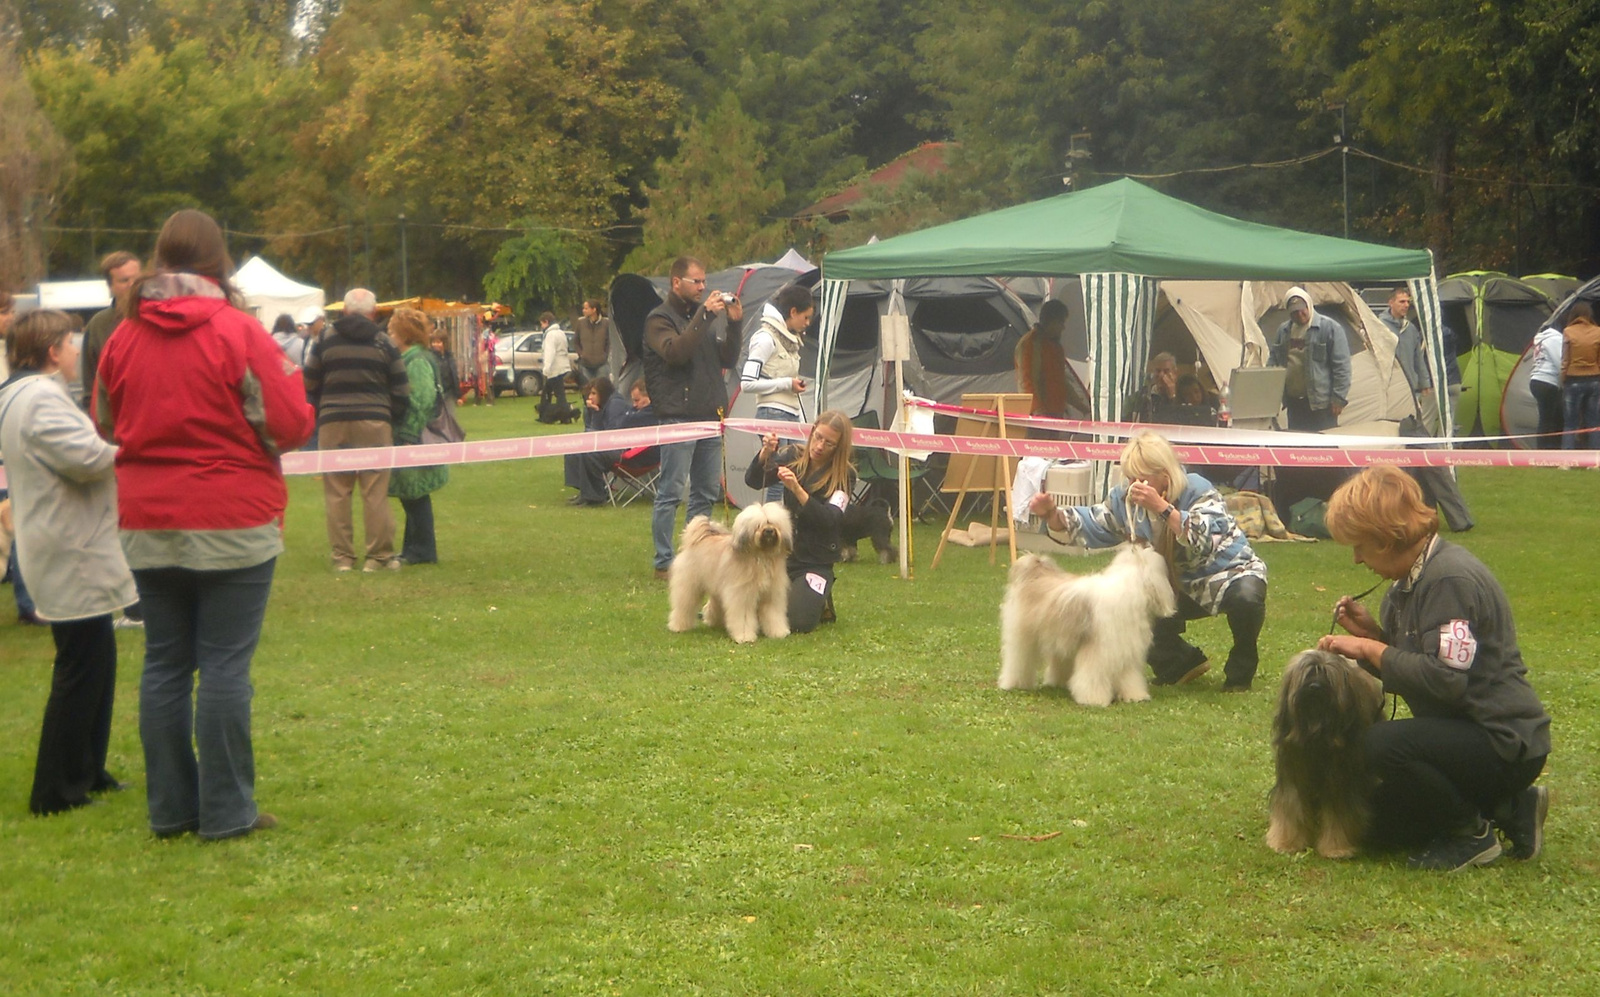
201 401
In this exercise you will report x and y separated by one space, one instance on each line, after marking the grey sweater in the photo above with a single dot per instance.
1456 610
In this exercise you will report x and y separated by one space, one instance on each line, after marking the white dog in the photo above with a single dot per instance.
741 574
1089 633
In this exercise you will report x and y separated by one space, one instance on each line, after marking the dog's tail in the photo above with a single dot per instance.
700 527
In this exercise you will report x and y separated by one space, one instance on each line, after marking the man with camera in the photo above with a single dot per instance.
683 364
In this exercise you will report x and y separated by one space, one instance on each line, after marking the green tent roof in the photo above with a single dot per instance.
1122 227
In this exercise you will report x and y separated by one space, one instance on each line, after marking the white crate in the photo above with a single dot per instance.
1071 484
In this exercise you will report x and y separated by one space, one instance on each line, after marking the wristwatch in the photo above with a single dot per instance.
1169 510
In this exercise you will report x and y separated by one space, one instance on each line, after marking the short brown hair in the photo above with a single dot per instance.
409 327
681 265
116 261
1381 506
33 337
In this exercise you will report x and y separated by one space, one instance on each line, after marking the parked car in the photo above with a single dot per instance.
521 355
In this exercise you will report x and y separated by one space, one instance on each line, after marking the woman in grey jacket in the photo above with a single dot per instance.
1464 763
65 504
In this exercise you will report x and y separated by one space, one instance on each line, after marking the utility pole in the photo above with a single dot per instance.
1343 141
405 274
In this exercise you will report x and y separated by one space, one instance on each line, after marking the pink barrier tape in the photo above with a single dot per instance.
1210 434
1334 451
1338 454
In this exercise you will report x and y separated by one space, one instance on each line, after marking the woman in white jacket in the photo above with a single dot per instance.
771 369
64 500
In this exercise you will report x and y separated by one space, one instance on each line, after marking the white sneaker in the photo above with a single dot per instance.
127 623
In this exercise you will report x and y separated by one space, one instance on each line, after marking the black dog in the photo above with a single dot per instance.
868 519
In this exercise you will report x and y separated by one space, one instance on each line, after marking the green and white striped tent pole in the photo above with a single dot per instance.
834 293
1425 303
1119 311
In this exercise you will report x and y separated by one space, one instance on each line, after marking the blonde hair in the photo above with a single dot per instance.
1149 454
409 327
1381 506
839 468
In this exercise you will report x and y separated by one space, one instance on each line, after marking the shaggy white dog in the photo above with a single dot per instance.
1089 633
741 574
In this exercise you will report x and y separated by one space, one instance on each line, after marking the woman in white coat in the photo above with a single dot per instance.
64 500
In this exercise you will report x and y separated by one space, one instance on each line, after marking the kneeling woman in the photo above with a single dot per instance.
1184 517
1478 735
816 482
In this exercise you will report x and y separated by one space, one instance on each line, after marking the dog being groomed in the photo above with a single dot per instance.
741 574
1088 633
1325 704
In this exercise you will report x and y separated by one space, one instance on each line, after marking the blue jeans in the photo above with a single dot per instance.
698 464
774 493
19 588
1581 397
418 547
206 622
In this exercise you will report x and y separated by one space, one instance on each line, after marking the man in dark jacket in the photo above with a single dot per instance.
683 364
358 384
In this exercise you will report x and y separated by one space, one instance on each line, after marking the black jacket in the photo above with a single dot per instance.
817 524
683 361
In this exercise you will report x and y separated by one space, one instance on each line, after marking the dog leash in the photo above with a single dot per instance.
1394 701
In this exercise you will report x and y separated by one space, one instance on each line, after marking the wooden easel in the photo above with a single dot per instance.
996 471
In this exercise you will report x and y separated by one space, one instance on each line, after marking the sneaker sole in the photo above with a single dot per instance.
1194 673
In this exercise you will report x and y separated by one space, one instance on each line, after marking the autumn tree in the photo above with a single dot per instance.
33 162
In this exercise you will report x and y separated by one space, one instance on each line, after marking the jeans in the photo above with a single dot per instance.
1244 603
19 588
698 464
1551 417
774 493
207 622
1437 776
418 546
77 718
1582 398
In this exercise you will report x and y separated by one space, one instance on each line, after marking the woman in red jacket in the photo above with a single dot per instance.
201 401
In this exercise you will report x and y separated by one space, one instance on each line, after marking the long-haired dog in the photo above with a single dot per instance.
1325 704
740 574
1089 633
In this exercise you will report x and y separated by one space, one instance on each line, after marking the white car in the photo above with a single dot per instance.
521 356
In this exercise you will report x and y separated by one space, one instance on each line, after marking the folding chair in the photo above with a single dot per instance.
633 475
879 468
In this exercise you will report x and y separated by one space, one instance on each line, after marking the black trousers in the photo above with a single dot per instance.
807 606
77 717
1552 413
1244 603
418 546
1437 776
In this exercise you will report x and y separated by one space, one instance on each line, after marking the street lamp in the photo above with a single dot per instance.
405 272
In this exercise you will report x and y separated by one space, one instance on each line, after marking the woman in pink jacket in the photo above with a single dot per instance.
200 401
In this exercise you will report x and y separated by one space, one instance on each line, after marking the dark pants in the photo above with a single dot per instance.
1552 416
587 473
807 606
77 718
553 405
1435 777
205 622
1305 419
418 546
1581 398
1244 603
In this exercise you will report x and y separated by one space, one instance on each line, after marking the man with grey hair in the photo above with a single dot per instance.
358 384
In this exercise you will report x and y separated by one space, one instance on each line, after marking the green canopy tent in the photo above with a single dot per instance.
1120 239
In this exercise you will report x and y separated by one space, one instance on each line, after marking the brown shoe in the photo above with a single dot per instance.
662 574
264 822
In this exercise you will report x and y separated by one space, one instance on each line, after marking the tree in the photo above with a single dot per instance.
535 270
34 161
715 198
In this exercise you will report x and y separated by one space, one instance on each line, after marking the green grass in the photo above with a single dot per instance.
503 775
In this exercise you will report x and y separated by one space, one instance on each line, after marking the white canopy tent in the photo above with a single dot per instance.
268 293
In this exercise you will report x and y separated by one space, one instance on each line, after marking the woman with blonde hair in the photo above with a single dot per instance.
1464 763
414 486
1215 569
816 480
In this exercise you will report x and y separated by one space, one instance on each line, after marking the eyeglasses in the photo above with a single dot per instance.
824 443
692 280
